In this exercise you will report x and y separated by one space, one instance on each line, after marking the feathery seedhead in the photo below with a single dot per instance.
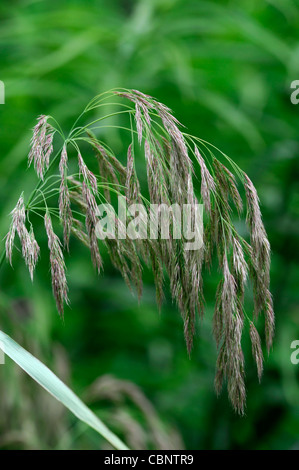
65 212
254 216
235 367
41 146
227 184
227 326
218 320
132 183
207 182
63 162
91 221
88 176
30 248
9 243
89 191
260 255
138 120
239 263
18 221
32 252
170 181
59 281
259 240
228 296
269 321
156 180
257 352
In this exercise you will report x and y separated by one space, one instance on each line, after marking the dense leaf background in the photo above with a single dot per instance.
225 68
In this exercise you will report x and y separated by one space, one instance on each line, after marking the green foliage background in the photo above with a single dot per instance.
225 68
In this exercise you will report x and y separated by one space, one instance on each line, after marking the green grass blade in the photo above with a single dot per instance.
50 382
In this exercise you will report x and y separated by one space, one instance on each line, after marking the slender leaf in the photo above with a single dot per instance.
50 382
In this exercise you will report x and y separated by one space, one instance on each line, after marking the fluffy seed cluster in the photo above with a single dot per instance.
172 159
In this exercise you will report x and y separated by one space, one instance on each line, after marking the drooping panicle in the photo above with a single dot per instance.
228 325
207 182
239 265
30 248
32 254
88 176
132 184
65 211
171 124
170 183
228 296
143 103
235 367
259 240
18 220
63 162
138 120
41 146
269 321
227 184
58 269
260 260
110 167
257 352
91 222
218 320
156 181
89 191
48 149
9 243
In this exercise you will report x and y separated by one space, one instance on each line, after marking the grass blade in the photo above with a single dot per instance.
50 382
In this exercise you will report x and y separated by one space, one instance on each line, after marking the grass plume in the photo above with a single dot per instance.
173 159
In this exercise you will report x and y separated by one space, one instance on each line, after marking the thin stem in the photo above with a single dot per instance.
40 183
81 129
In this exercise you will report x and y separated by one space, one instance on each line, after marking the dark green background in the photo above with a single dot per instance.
225 68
